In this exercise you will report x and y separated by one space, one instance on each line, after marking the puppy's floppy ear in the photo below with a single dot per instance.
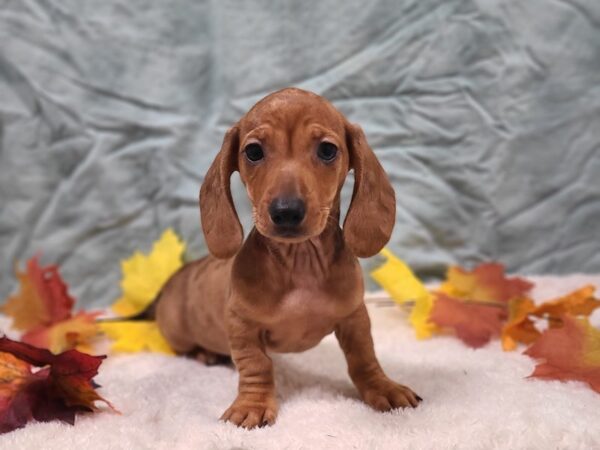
372 213
222 229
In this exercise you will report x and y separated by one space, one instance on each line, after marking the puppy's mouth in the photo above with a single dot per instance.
284 231
289 234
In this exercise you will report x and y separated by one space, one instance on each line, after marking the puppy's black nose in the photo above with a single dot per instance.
287 211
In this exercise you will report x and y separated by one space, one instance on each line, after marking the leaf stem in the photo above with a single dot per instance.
383 301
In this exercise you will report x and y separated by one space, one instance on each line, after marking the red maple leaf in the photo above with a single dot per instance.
474 304
571 352
62 387
473 323
42 308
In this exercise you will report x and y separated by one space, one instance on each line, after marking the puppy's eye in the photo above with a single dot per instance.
327 151
254 152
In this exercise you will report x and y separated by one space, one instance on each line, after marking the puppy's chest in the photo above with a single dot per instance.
301 319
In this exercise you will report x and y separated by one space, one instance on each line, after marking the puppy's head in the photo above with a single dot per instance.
293 150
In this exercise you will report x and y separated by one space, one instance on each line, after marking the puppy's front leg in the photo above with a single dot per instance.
256 403
375 388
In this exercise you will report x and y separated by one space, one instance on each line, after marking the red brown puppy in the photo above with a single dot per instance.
296 278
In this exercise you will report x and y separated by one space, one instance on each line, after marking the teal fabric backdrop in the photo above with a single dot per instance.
484 113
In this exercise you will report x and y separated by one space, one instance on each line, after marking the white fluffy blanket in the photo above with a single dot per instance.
474 399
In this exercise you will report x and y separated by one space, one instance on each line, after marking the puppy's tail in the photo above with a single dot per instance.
147 314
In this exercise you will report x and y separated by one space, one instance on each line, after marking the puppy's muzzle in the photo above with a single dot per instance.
287 213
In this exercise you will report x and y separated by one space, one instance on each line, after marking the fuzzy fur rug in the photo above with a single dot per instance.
474 399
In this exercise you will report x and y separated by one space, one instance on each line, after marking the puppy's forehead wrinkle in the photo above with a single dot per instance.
291 109
285 96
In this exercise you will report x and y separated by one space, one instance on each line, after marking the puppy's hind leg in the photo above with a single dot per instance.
209 358
169 321
182 345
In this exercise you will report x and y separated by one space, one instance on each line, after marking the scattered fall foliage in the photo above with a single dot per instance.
483 303
578 303
58 390
474 324
404 287
521 325
485 283
41 381
479 304
145 275
474 303
43 298
571 352
139 336
42 309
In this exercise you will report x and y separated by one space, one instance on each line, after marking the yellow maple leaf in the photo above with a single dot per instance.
145 275
419 317
132 337
403 286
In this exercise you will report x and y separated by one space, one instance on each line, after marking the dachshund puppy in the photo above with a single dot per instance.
296 278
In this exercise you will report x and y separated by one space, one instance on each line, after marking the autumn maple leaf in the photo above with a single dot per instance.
43 298
145 275
132 336
485 283
143 278
475 303
61 388
520 326
571 352
475 324
578 303
76 332
403 286
42 308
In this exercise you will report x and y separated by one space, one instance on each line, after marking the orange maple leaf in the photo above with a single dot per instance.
521 328
485 283
42 308
571 352
578 303
74 332
473 323
43 298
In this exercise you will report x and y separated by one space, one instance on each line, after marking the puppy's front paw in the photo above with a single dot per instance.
383 395
252 410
